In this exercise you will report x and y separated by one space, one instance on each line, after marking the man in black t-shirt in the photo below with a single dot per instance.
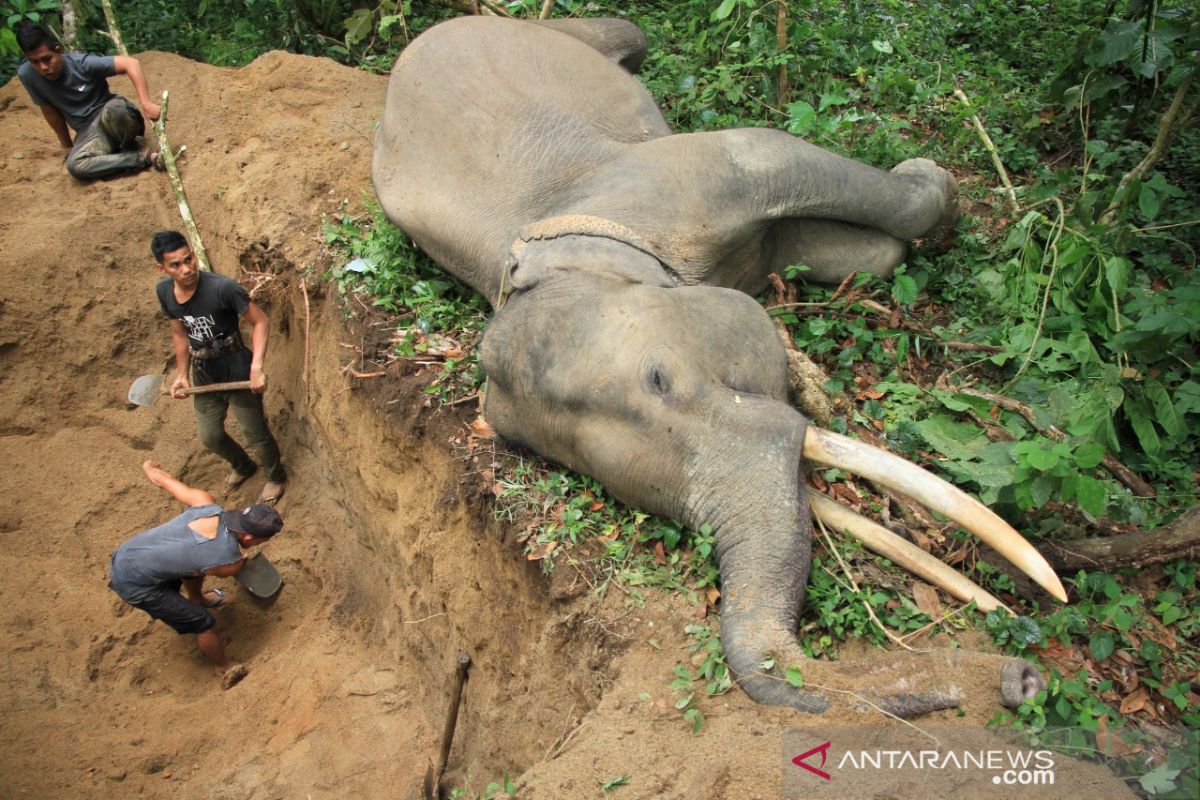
71 89
204 309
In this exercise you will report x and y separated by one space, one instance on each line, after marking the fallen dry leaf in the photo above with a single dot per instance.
481 428
926 598
660 555
1135 702
596 506
540 551
712 594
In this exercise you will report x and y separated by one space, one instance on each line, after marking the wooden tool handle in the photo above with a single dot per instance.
215 387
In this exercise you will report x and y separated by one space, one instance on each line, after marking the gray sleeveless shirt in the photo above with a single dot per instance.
144 565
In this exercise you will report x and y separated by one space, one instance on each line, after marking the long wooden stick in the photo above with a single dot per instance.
185 210
165 152
547 7
114 32
991 148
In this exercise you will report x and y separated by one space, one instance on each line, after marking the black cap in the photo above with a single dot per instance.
261 521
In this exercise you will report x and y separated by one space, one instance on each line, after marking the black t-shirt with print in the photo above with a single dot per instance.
212 312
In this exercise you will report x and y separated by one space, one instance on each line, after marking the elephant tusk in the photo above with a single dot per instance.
936 494
912 558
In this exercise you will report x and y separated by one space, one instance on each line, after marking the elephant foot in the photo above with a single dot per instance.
943 193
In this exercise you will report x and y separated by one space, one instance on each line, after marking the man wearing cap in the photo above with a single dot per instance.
149 569
71 89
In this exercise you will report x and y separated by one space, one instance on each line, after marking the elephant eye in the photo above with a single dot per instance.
657 380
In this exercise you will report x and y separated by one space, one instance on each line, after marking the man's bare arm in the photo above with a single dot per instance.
183 358
58 124
178 489
258 346
128 65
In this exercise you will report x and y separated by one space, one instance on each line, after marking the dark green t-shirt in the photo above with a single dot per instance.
79 92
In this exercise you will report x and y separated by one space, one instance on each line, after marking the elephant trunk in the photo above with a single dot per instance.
764 547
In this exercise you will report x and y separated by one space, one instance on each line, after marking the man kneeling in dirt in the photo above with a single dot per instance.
149 570
204 309
72 89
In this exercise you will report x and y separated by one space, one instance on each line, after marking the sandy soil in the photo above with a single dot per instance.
389 569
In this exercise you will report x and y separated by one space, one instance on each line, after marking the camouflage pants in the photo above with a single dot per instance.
108 143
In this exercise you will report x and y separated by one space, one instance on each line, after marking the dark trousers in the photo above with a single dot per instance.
108 143
211 409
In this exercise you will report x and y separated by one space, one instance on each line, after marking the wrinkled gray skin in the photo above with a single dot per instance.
528 162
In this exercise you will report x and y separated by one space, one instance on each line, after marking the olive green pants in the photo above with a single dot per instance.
108 143
211 409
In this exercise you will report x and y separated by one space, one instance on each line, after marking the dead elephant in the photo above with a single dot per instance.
528 161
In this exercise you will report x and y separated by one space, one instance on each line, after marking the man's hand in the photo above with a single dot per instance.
258 380
152 111
181 382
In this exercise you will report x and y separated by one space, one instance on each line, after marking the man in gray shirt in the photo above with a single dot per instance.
72 90
150 569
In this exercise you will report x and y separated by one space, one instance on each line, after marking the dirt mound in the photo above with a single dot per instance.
388 572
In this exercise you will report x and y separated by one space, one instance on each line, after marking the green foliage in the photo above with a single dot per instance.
428 306
707 666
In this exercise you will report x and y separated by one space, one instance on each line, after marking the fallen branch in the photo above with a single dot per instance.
991 148
1180 539
356 374
1114 467
1173 121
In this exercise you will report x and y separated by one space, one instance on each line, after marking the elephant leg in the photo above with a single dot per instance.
832 250
617 39
739 179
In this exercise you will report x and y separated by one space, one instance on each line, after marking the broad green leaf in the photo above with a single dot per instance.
358 26
1164 409
1025 630
1115 43
1090 495
1116 273
1148 202
832 99
1143 425
794 676
802 118
904 289
1102 645
724 10
882 45
1089 456
1041 459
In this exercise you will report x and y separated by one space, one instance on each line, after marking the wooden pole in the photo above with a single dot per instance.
185 210
165 152
781 39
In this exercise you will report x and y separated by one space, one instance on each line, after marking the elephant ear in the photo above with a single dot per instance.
581 246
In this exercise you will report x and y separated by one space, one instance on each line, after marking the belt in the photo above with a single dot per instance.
218 347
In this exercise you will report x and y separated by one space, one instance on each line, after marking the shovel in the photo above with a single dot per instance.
259 577
146 390
432 788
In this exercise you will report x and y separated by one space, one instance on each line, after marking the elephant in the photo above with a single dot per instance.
526 159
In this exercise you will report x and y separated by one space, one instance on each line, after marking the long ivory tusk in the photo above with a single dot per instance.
936 494
912 558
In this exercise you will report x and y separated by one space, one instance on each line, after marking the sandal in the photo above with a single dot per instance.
235 479
271 492
219 601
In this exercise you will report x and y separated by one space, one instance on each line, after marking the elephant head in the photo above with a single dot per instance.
675 398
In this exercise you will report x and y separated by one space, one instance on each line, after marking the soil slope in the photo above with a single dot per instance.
388 569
